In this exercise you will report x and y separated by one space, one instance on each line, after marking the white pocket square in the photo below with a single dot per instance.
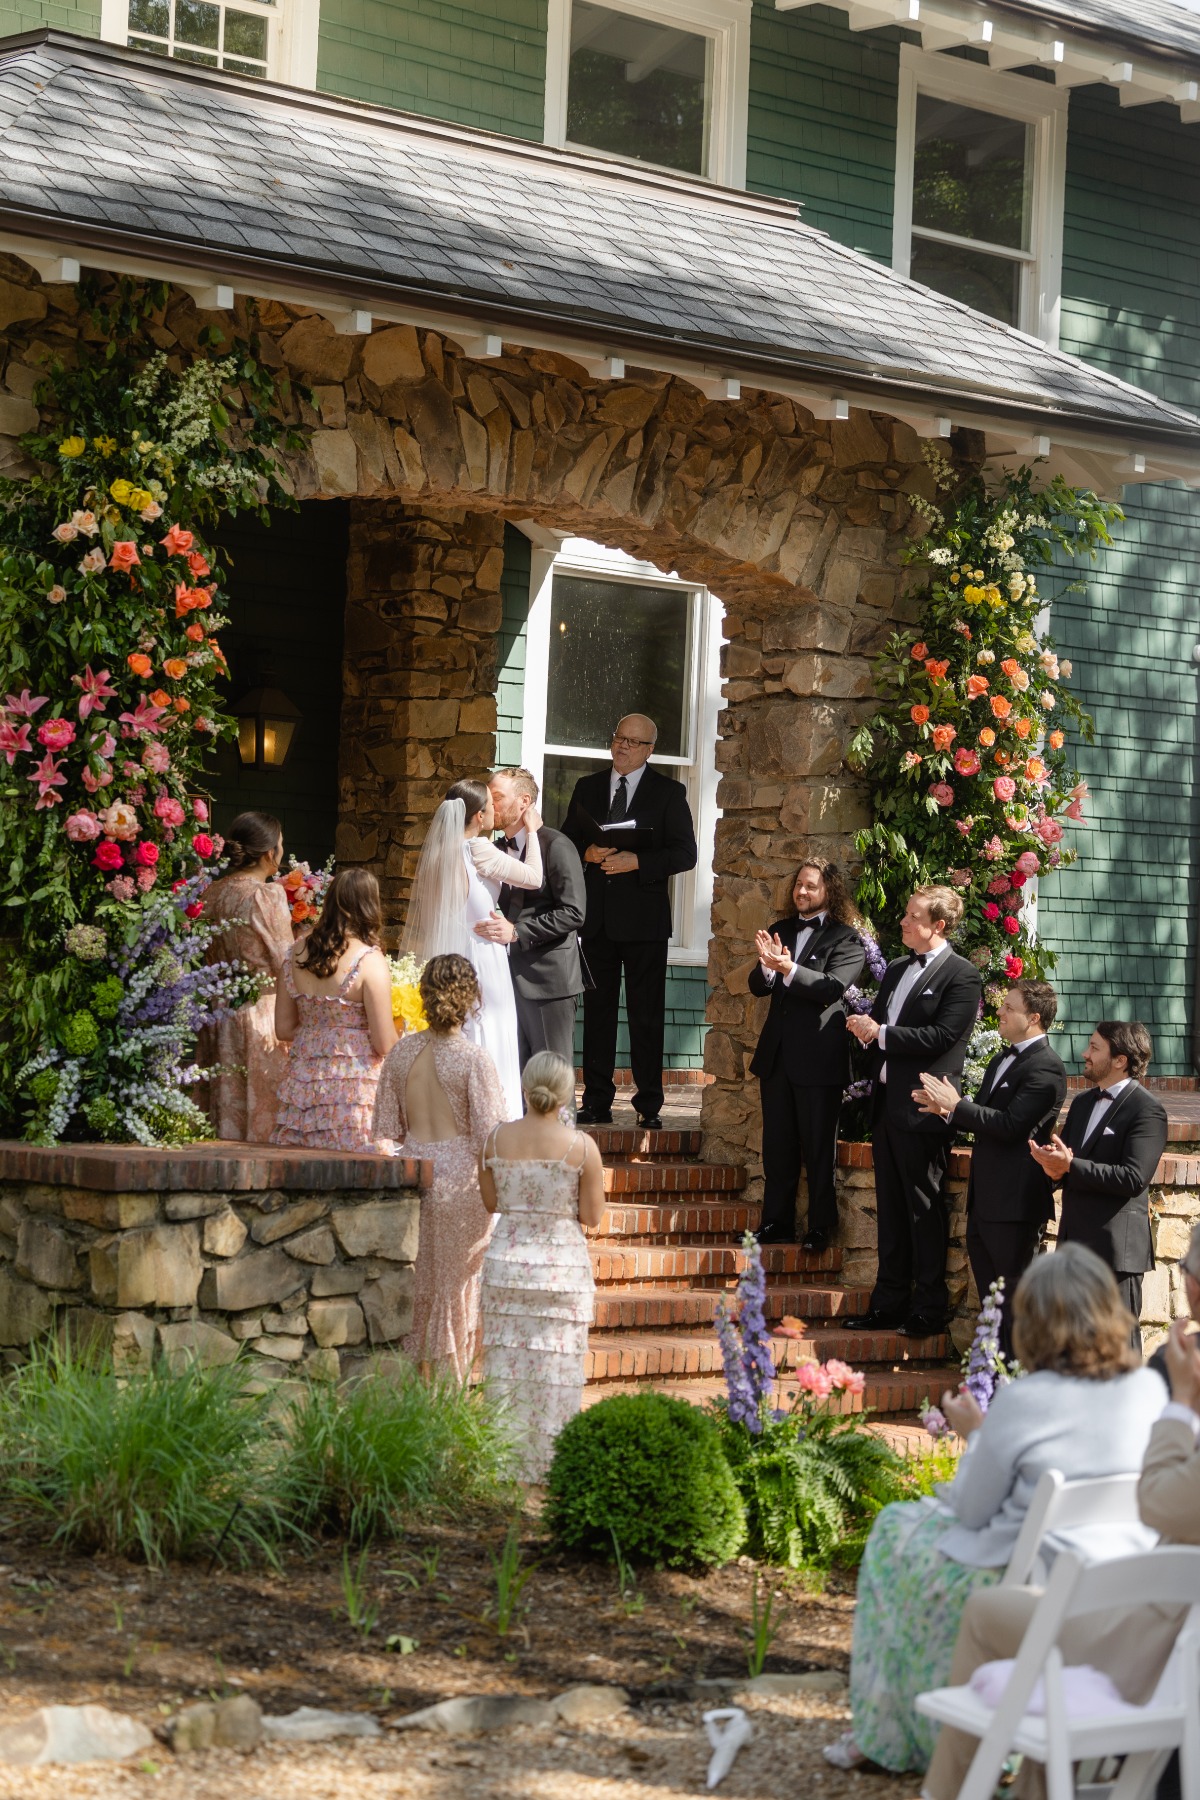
1002 1086
928 994
1108 1132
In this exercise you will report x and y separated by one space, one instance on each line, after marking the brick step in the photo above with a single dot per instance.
681 1178
661 1309
701 1265
644 1356
887 1391
614 1141
719 1219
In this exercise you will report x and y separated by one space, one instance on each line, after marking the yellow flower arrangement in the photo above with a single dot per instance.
407 1010
121 490
72 446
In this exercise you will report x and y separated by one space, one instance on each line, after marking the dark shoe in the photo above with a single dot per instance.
816 1241
591 1115
775 1234
650 1122
874 1321
923 1325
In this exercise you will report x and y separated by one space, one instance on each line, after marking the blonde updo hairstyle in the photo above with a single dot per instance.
449 991
548 1082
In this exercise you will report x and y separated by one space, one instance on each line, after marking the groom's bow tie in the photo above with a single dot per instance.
512 846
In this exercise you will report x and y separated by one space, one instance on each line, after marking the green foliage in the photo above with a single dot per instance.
361 1457
511 1576
650 1472
152 1465
927 1468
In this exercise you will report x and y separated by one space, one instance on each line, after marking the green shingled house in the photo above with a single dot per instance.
1037 161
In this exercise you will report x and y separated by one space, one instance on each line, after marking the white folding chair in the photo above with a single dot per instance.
1061 1505
1144 1736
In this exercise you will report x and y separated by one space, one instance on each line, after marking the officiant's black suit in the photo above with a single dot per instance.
912 1148
803 1064
544 958
626 930
1106 1198
1009 1198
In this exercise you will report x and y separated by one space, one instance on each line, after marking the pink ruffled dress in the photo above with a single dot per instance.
327 1097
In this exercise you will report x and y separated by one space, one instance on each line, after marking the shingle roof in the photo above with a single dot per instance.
104 146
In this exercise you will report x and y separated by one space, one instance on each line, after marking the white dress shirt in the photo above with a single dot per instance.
631 785
1014 1050
518 841
814 923
904 987
1102 1111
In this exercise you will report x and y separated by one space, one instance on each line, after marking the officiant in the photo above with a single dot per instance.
633 828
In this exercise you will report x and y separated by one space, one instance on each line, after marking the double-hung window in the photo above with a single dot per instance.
980 165
272 39
662 82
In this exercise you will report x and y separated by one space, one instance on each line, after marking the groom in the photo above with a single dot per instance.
540 927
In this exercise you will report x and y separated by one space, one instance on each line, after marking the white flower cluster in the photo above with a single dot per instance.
941 556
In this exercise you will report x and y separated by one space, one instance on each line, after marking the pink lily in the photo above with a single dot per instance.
48 775
94 690
25 703
1074 811
145 717
12 739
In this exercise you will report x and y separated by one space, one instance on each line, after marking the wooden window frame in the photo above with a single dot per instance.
291 38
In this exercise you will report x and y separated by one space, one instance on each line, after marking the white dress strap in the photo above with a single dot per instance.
489 1146
582 1142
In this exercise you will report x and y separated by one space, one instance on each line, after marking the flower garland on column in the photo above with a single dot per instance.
966 758
110 613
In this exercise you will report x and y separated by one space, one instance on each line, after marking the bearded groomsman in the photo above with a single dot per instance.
1009 1199
1106 1157
805 963
922 1019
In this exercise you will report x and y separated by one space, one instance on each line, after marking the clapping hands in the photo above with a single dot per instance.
772 952
936 1096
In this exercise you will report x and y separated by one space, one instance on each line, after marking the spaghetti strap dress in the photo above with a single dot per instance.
537 1300
327 1096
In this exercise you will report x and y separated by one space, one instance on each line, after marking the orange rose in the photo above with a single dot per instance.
1035 768
936 670
1022 727
175 668
181 705
919 715
1057 740
1010 665
943 736
1002 759
195 632
1000 706
292 880
987 737
920 652
299 912
160 697
976 685
141 665
124 557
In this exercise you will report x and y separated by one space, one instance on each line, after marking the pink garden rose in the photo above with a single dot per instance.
156 758
202 844
168 810
108 855
56 734
943 793
1018 878
145 856
1004 787
814 1380
82 827
1049 830
1014 967
200 810
56 594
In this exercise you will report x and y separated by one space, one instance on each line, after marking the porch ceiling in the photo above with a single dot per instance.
121 161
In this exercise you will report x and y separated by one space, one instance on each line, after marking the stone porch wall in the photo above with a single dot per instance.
302 1261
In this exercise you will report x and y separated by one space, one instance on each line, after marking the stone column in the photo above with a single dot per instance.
418 710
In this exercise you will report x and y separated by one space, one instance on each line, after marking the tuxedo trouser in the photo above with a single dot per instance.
1000 1247
910 1212
546 1025
644 965
1130 1289
1130 1646
800 1125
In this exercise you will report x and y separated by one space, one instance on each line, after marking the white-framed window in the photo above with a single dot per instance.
272 39
980 176
609 635
662 82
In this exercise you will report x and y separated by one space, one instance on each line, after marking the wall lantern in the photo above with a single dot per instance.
267 725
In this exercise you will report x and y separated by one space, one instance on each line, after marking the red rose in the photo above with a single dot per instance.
202 844
194 910
1017 878
146 855
1014 968
108 856
1011 926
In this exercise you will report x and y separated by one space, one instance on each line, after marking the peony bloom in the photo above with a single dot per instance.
82 827
1004 787
991 912
1000 706
146 855
919 715
1011 926
56 594
108 856
177 541
92 563
967 762
1056 740
66 533
124 556
920 652
943 793
200 810
175 668
993 850
976 685
56 734
943 736
202 844
1014 967
120 821
156 758
1028 862
104 745
168 810
140 664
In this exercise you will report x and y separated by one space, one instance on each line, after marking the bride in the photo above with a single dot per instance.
459 877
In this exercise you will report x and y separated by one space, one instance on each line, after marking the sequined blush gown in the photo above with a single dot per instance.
327 1097
254 926
455 1225
537 1298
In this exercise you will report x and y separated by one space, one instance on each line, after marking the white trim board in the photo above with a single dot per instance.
291 38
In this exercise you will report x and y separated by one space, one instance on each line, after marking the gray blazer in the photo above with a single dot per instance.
544 959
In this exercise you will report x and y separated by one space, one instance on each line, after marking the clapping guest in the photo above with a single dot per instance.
254 927
805 964
334 1006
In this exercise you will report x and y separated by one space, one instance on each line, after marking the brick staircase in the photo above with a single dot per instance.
669 1246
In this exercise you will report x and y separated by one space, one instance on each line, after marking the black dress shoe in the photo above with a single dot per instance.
650 1122
775 1234
815 1241
874 1321
591 1115
923 1325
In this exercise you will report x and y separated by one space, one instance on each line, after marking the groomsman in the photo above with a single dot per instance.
1009 1199
1107 1154
922 1019
805 964
628 923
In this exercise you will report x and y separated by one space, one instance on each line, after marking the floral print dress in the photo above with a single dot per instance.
327 1097
254 927
538 1296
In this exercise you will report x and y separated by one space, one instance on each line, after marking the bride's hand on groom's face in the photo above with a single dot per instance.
531 819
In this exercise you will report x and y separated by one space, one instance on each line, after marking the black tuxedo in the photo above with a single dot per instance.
803 1064
544 958
1009 1198
912 1149
1106 1199
626 931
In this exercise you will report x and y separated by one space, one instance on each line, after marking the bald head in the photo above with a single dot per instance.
632 742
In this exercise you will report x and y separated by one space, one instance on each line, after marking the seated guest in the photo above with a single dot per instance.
1086 1408
439 1097
805 963
334 1006
545 1180
1008 1197
1106 1157
254 926
1190 1268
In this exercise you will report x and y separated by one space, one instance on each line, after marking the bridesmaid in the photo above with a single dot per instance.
254 926
334 1006
545 1180
439 1096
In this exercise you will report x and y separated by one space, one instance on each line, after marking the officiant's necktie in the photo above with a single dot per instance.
618 807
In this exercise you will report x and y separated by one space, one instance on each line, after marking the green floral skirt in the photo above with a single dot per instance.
906 1620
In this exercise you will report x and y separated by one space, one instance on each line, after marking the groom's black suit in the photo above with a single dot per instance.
543 959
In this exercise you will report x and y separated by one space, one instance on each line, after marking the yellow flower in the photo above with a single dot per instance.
991 594
954 579
72 446
407 1007
121 491
974 596
105 445
140 498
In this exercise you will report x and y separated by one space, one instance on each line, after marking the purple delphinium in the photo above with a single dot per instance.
876 960
746 1342
986 1368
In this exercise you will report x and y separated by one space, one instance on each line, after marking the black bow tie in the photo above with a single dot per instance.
813 924
512 846
919 957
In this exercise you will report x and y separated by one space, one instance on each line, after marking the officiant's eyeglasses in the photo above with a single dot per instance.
630 743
